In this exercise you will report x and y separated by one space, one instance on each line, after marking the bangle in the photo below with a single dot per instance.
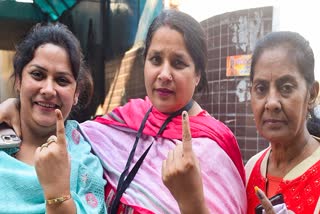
58 200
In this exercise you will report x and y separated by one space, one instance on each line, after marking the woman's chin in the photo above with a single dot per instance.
46 122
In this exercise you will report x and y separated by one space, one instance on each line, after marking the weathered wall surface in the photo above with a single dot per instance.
230 34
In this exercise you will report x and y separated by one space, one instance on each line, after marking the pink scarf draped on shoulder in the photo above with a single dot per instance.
201 125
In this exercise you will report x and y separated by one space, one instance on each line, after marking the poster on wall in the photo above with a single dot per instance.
238 65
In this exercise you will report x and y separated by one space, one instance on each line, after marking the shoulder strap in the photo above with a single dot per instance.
125 182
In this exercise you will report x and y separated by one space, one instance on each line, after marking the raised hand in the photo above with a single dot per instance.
182 176
52 163
265 202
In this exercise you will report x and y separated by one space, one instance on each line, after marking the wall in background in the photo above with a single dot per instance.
230 34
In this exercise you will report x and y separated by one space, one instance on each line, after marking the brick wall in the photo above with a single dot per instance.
229 34
233 33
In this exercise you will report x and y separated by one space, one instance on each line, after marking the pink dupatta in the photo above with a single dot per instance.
201 125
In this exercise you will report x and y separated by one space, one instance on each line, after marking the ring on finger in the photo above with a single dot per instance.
51 139
45 145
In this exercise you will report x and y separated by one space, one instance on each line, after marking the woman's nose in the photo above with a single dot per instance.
273 101
48 88
165 73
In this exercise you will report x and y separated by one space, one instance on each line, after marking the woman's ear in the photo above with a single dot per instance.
76 98
197 79
17 85
314 91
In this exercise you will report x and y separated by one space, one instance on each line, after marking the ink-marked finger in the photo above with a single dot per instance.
186 133
60 128
265 202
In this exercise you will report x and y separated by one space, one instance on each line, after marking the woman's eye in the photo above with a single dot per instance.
286 88
260 89
37 75
155 60
179 64
63 81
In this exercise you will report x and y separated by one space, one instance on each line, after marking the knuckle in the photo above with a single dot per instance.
174 172
60 130
269 209
187 137
165 179
183 169
189 163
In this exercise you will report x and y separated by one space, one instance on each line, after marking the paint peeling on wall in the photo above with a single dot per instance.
242 91
247 30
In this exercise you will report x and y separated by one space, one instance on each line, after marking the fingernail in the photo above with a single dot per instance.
184 115
258 192
58 114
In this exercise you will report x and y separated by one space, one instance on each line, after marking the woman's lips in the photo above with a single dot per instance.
274 123
47 106
164 91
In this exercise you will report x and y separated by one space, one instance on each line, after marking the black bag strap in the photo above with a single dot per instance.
125 182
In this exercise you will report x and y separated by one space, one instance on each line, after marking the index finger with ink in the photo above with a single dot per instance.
60 127
186 133
266 204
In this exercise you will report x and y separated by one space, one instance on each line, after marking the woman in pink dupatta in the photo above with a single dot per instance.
175 63
136 142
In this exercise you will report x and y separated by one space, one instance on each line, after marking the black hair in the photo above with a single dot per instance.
313 124
298 49
57 34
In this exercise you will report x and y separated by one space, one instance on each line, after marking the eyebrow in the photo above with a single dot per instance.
38 66
286 78
58 72
180 54
153 52
259 80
